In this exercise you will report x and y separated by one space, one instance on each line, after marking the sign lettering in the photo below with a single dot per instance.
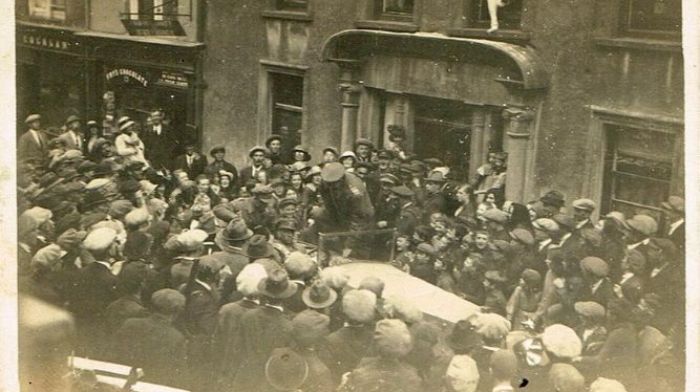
153 27
175 79
127 73
46 42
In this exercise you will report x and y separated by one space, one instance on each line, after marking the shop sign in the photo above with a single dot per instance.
127 74
173 79
147 27
39 40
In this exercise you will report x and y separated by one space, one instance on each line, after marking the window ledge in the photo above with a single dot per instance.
515 36
287 15
640 44
405 27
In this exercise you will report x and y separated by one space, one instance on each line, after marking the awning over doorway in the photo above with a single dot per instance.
353 45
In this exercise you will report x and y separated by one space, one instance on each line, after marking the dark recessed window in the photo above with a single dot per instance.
287 93
291 5
653 15
509 15
399 10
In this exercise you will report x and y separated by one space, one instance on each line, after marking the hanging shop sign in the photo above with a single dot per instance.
173 79
145 27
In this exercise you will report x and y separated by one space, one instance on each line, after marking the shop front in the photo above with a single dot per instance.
458 99
134 78
50 74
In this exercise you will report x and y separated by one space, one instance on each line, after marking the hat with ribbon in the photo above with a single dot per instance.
258 248
319 296
235 231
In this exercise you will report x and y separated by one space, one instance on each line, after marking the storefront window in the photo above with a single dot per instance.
48 9
653 15
401 10
291 5
639 170
287 92
509 15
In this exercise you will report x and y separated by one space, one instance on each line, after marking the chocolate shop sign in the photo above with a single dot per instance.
126 75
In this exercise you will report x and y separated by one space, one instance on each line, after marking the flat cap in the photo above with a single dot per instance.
373 284
491 326
100 239
595 266
287 201
119 208
389 178
136 217
606 385
330 149
168 301
426 248
564 221
565 377
504 363
300 266
403 309
402 191
392 338
590 309
495 215
310 327
255 149
70 238
347 154
531 277
364 142
48 256
674 203
332 172
643 224
561 341
217 149
584 204
31 118
462 374
187 241
335 277
523 236
249 278
360 306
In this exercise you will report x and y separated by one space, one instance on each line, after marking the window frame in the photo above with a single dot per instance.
626 29
266 95
48 10
379 14
170 10
279 5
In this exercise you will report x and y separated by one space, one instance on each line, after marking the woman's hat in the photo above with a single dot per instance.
277 285
319 296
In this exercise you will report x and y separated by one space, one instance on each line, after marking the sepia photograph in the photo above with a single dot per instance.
349 196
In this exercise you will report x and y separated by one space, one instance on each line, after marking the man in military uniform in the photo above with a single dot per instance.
347 206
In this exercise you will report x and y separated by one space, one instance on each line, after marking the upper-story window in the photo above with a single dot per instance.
292 5
652 16
153 9
48 9
495 14
398 10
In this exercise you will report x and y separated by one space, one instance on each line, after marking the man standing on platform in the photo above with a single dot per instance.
160 141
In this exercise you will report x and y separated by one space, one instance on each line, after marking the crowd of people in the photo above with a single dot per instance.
213 278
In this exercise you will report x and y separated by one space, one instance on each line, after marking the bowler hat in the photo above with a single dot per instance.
31 118
258 248
277 285
286 370
319 296
332 172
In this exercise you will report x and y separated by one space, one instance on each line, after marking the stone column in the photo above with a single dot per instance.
517 127
477 155
350 87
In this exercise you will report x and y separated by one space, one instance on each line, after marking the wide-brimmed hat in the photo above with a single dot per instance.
277 285
258 248
236 230
304 150
319 296
286 370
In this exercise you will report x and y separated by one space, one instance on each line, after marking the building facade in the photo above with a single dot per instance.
585 96
103 59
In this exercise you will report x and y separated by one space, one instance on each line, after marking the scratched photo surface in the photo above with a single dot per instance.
369 195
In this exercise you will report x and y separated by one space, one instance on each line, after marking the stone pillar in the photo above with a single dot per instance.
350 87
517 128
477 155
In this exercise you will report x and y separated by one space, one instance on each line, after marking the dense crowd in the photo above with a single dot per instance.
213 278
